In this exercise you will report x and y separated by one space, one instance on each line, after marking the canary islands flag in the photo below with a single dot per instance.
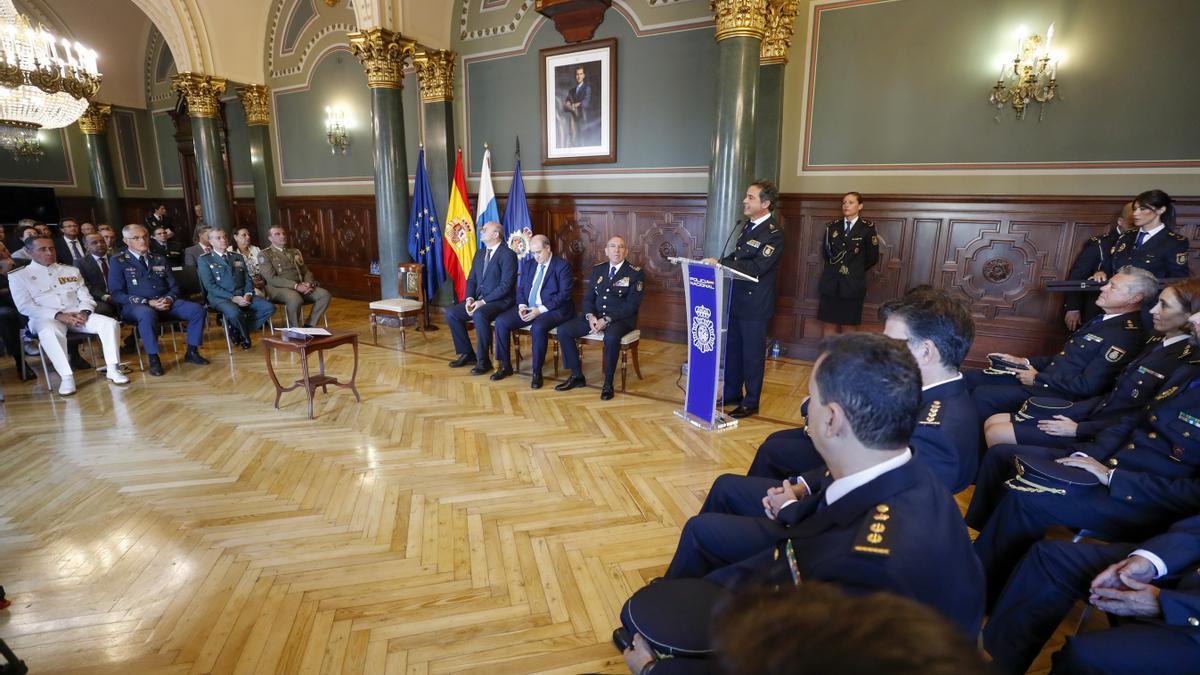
485 201
460 244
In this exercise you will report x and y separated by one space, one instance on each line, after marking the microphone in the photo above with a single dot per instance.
743 222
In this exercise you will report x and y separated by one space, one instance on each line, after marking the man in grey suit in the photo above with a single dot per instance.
491 287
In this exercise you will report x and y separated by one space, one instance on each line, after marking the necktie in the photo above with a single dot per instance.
1140 238
142 260
849 226
537 286
104 271
612 272
75 253
487 258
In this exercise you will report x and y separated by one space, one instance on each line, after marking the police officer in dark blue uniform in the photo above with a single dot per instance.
1081 307
1151 245
1148 473
143 285
1154 587
227 283
879 521
610 308
751 305
1089 362
939 330
849 249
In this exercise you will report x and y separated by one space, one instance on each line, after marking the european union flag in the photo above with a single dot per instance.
425 232
518 229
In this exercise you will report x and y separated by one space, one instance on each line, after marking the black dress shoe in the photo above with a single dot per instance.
502 372
536 382
622 639
481 368
25 373
606 392
79 363
463 360
572 382
156 368
742 411
193 356
246 343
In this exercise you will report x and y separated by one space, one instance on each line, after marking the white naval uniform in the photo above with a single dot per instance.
41 292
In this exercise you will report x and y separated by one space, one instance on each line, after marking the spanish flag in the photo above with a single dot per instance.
460 246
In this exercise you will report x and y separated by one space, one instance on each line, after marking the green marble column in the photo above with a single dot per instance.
203 94
435 75
733 144
256 101
383 54
94 125
768 122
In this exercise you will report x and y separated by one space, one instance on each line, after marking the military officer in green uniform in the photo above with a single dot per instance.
289 281
229 287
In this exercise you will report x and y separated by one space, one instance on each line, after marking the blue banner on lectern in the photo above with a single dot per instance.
703 352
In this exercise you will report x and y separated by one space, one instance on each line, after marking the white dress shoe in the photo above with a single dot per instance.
67 386
116 376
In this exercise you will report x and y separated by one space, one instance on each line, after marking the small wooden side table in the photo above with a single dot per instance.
305 347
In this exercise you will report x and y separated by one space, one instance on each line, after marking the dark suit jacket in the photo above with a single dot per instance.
499 283
1091 258
96 282
757 253
63 253
848 256
901 532
1091 359
191 255
581 95
1165 255
556 287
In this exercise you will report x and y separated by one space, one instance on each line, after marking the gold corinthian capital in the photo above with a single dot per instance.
435 74
203 93
256 99
94 120
781 21
740 18
383 55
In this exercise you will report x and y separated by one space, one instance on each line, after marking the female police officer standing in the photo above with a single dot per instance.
850 248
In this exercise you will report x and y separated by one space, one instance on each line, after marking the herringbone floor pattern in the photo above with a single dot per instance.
445 524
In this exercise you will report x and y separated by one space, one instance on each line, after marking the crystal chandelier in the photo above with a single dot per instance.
1032 75
45 82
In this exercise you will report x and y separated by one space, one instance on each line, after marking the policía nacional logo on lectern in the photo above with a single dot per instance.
704 335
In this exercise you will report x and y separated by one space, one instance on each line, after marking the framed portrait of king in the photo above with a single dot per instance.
578 85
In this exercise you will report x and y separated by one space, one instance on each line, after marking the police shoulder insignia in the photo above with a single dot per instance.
1187 351
1154 338
1166 393
1114 354
636 268
1178 236
1181 258
1121 247
874 240
871 537
931 417
639 287
768 250
1130 325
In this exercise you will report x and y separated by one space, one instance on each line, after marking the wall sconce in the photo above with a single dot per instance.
24 144
335 130
1032 75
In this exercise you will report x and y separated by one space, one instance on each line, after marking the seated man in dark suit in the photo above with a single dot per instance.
491 286
544 291
1153 589
191 254
144 287
610 308
68 246
879 521
1089 362
1145 475
938 330
11 320
94 268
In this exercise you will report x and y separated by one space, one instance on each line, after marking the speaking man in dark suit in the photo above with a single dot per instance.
68 246
490 290
757 253
544 293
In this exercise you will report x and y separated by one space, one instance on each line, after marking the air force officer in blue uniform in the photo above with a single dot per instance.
491 286
229 286
142 284
544 292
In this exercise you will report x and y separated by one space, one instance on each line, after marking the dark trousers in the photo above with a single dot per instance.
784 454
745 359
539 330
457 318
1042 590
1021 518
245 319
108 308
999 398
711 541
146 318
11 323
575 328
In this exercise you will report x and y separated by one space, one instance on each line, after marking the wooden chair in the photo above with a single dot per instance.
411 302
629 349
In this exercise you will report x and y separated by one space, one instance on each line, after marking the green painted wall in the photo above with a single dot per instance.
54 169
239 142
166 150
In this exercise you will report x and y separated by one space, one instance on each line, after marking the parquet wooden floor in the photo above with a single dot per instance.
445 524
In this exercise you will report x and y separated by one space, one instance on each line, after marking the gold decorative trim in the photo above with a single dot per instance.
781 22
203 93
740 18
94 120
435 75
256 99
383 54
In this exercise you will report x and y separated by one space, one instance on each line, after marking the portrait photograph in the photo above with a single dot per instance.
578 89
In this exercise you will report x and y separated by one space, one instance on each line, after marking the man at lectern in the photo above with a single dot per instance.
757 253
